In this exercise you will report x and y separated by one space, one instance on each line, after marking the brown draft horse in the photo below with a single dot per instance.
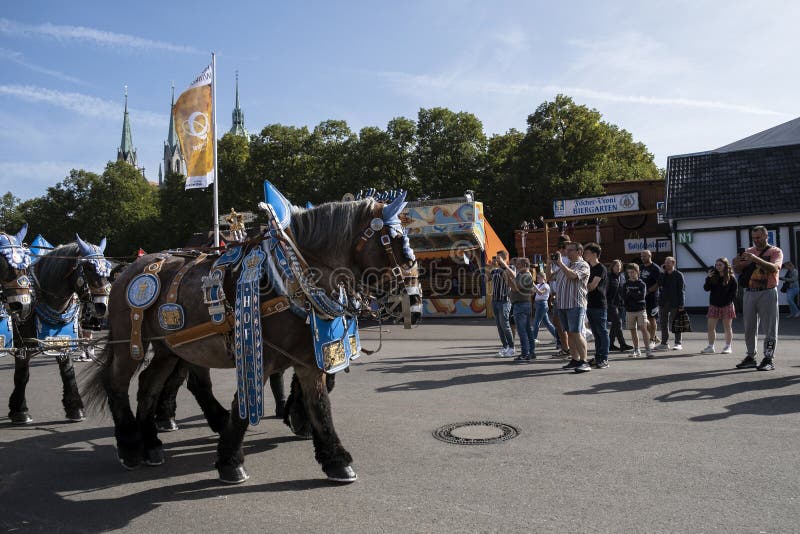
331 239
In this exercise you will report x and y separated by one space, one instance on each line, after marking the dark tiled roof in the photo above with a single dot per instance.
744 182
784 134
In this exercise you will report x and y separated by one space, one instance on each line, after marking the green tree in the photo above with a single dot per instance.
450 152
383 158
284 155
238 187
183 212
10 217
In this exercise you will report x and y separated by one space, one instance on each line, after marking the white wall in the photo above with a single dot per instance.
722 243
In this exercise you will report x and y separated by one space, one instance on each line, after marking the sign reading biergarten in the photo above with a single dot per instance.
596 205
194 121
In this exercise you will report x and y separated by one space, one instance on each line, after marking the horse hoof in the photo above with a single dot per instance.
75 415
344 475
155 456
230 474
128 463
20 418
167 425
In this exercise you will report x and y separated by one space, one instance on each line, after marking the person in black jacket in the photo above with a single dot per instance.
616 305
671 298
722 287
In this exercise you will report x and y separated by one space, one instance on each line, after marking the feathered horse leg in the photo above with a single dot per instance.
151 383
328 450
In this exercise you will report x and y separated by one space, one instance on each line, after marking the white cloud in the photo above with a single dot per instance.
19 59
28 179
90 35
423 84
80 103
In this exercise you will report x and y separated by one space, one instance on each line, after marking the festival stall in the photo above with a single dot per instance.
453 243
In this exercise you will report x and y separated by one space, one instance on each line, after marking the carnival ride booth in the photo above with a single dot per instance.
453 243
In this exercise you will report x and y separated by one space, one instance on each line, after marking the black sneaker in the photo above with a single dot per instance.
592 362
602 364
583 367
614 348
522 359
748 363
626 347
766 365
572 364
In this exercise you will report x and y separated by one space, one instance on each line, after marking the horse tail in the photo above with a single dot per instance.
93 381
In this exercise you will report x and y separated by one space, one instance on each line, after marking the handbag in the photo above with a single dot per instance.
681 323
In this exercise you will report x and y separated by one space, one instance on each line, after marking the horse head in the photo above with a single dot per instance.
15 285
92 273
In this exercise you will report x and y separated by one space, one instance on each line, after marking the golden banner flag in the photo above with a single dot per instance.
194 123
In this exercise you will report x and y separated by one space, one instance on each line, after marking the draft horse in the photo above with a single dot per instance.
337 241
63 279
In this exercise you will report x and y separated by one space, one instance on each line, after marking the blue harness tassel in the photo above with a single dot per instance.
247 339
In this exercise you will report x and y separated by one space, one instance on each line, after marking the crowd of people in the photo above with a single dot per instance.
588 300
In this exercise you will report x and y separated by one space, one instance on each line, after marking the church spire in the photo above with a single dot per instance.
237 128
126 152
172 137
173 157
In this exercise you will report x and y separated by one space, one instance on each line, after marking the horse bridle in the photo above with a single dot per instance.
18 289
88 293
377 227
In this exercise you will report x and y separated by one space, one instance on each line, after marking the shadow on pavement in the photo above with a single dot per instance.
41 473
775 405
650 381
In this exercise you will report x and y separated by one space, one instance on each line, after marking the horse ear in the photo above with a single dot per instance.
390 211
85 248
102 245
21 234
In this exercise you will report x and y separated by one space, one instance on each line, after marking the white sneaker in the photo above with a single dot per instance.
710 349
677 346
727 349
502 353
509 352
636 353
663 346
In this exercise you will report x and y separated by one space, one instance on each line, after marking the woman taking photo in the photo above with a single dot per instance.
722 286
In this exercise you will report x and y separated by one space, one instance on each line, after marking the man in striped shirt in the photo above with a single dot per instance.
501 304
571 289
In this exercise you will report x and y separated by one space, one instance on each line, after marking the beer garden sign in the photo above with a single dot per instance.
594 206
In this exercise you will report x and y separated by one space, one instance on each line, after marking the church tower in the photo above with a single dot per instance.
237 128
126 152
173 157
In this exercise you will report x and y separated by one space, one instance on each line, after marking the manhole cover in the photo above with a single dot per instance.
475 433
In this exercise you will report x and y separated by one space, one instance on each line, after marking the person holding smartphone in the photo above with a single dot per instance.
722 288
501 303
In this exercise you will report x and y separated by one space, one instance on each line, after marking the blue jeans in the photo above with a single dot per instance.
599 325
541 316
791 298
522 318
501 312
571 319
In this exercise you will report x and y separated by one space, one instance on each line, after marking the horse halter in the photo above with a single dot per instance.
377 227
96 294
16 291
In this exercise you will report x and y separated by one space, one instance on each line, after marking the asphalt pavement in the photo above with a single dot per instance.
680 443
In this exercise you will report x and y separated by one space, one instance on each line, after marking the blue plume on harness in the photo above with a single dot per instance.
94 255
12 250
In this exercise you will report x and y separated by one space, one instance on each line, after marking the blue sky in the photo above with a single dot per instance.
680 76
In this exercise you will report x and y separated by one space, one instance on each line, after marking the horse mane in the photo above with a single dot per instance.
329 231
53 267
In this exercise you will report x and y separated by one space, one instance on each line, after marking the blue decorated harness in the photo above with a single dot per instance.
15 293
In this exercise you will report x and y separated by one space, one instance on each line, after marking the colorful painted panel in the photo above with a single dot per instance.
452 307
441 226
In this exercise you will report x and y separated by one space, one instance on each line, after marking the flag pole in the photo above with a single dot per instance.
214 121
